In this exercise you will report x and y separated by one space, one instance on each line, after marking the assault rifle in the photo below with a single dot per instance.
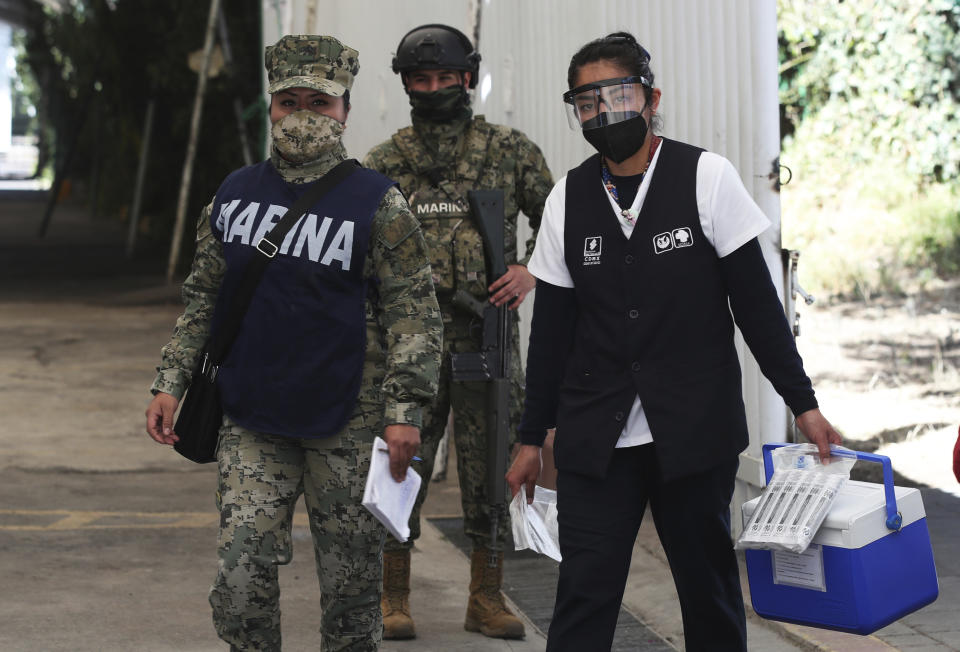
491 364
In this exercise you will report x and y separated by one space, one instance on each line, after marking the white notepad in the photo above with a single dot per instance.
390 501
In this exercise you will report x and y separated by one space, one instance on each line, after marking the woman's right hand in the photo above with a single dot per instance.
160 419
524 471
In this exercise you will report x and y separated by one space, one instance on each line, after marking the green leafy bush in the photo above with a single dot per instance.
870 96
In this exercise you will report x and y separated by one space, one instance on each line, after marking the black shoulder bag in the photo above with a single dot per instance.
201 415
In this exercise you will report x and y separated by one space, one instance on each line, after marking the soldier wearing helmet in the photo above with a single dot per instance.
326 358
446 152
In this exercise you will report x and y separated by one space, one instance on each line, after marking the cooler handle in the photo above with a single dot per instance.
894 518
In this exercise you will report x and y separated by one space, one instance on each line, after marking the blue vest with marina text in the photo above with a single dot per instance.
296 365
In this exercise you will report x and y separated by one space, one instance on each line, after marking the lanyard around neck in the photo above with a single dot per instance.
628 215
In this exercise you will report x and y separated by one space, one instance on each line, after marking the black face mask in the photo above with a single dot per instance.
620 140
444 105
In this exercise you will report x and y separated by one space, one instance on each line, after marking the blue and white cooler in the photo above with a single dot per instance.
869 564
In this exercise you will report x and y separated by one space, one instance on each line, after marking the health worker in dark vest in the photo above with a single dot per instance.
340 344
447 152
642 249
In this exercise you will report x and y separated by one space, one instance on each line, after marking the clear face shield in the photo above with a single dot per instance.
605 102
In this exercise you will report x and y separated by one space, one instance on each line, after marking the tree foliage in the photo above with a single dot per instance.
884 75
96 65
870 108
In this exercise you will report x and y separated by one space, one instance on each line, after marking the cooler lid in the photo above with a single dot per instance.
858 514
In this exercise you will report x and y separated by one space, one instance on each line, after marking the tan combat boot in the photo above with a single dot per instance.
486 611
395 602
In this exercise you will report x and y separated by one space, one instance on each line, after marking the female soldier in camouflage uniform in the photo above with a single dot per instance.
447 152
290 372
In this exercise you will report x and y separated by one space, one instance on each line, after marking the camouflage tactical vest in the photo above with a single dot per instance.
438 199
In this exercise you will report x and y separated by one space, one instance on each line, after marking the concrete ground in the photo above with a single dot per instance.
107 539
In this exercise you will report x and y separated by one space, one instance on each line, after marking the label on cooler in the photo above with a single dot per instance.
803 570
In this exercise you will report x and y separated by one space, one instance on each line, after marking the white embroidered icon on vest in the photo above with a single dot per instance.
662 242
669 240
682 237
592 247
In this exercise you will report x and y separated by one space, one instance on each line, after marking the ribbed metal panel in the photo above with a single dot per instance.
374 28
714 60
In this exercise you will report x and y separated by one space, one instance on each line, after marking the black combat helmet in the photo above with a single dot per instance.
436 47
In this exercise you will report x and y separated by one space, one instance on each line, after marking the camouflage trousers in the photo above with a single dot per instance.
261 478
469 403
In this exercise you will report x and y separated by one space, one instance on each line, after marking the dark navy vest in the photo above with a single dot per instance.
653 321
295 368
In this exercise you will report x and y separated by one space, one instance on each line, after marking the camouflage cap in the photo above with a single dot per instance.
319 62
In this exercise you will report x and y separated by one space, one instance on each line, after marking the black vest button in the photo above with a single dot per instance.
618 416
635 366
628 259
634 314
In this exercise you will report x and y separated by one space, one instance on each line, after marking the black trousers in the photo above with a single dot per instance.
599 520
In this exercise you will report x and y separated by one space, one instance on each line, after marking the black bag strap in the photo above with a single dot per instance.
268 247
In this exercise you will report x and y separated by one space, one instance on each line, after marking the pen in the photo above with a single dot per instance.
412 459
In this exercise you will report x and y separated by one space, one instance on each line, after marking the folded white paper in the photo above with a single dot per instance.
390 501
535 525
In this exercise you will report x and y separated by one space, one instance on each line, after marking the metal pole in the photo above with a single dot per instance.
474 19
192 143
141 173
311 20
97 159
64 166
237 104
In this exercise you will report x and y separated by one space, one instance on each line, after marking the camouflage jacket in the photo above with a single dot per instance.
436 164
404 329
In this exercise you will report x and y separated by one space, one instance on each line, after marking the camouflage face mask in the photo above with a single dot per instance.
444 105
304 136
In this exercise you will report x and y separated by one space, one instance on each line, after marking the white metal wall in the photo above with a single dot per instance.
714 60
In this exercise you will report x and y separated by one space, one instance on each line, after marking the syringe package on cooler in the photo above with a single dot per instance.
813 517
795 501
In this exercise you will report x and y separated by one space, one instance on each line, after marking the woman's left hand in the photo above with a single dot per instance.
818 430
513 286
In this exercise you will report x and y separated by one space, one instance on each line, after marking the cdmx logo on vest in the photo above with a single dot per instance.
669 240
592 247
